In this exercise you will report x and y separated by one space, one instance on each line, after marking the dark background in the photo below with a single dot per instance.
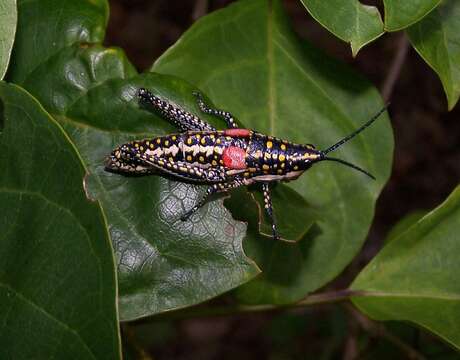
426 169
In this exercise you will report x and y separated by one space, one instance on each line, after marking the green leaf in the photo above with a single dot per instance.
57 280
361 24
163 263
351 21
405 223
249 62
415 277
437 39
46 26
401 14
8 20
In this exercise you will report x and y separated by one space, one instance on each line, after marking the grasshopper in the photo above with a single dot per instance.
221 159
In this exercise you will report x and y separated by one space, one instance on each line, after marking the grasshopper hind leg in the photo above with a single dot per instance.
180 118
228 118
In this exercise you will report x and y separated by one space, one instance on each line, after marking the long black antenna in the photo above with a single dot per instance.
350 165
353 134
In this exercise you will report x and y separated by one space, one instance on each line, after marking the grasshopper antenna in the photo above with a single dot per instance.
350 165
348 138
353 134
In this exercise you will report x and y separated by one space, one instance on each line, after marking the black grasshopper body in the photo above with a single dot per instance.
221 159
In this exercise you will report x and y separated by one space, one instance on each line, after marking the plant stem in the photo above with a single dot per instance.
315 299
395 68
200 9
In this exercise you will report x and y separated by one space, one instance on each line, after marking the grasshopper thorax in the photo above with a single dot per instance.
279 157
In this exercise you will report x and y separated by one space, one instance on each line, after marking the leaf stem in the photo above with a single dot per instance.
315 299
396 66
200 9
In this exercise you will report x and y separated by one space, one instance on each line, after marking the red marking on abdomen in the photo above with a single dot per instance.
234 158
237 132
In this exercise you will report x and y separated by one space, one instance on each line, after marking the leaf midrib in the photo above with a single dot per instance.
271 72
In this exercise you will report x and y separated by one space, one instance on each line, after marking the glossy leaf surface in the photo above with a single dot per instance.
8 20
415 277
401 14
57 284
248 61
437 39
45 27
359 24
163 263
350 20
405 223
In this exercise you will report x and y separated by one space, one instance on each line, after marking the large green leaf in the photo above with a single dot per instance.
248 61
437 39
401 14
57 280
8 19
361 24
163 263
349 20
403 224
46 26
415 277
